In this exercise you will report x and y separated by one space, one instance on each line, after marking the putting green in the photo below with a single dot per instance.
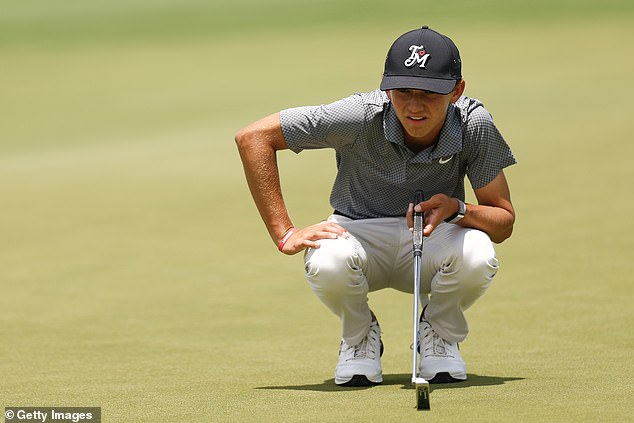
137 276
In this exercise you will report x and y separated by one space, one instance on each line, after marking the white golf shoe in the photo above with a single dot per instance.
440 361
360 365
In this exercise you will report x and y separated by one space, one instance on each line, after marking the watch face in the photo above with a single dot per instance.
462 208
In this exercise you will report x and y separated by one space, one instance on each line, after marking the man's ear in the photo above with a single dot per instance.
389 94
457 91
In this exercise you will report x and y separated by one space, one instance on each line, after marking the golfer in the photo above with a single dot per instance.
417 132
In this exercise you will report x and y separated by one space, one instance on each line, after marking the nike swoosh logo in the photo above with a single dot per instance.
444 160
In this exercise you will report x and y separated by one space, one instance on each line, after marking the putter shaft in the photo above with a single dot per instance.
415 339
422 386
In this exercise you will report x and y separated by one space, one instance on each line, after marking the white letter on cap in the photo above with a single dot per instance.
418 56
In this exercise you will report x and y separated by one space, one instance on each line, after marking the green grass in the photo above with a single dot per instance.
119 21
136 275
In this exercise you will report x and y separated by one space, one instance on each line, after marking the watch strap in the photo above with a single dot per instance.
462 210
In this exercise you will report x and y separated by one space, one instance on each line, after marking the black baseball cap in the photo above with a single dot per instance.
422 59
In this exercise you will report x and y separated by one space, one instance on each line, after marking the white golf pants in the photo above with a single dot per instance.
458 266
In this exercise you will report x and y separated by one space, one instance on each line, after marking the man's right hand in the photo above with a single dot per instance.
309 237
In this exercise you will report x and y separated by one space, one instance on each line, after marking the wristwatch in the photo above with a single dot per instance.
462 210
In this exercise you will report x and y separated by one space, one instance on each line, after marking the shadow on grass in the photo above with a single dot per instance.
399 379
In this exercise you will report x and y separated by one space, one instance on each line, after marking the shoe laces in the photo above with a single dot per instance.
366 348
437 344
434 343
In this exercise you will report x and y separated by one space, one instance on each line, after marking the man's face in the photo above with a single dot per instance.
422 113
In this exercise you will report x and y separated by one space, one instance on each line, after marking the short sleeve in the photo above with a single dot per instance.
327 126
489 152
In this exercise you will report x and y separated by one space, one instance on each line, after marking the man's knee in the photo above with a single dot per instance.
479 257
470 264
335 266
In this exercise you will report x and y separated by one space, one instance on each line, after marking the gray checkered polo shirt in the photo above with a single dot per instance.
376 173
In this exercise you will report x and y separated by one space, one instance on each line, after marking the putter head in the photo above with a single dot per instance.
422 394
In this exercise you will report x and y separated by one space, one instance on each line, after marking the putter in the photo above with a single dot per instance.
422 386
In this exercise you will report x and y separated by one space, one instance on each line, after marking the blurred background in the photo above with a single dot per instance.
136 274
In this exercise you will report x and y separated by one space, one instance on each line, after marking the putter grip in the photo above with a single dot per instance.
418 225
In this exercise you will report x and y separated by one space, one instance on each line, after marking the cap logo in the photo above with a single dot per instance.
419 56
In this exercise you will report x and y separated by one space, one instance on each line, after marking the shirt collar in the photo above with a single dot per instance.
449 142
